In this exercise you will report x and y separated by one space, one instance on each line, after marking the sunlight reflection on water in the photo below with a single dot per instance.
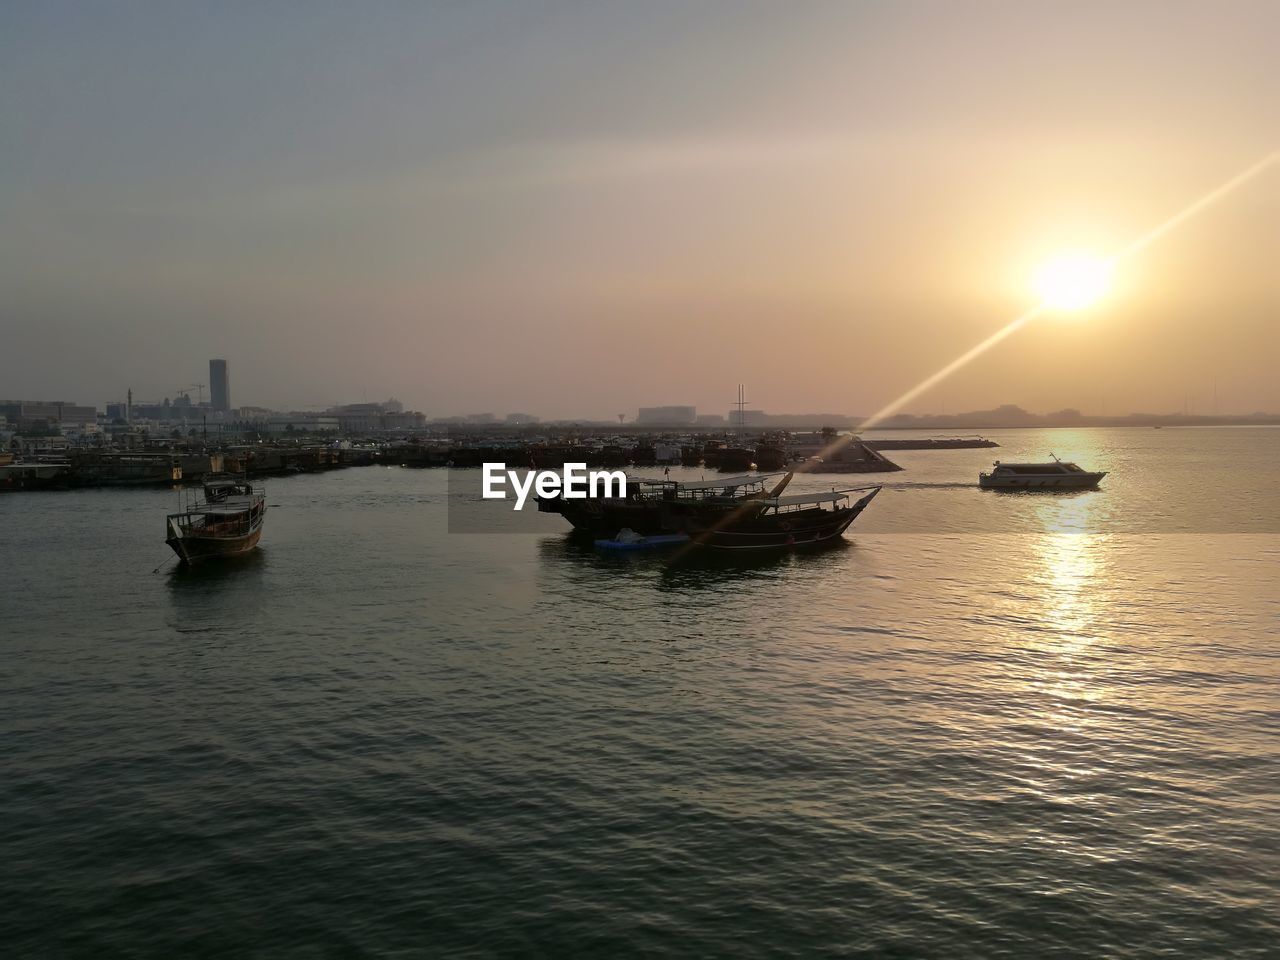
1013 744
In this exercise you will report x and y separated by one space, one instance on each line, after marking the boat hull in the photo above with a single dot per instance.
805 530
221 526
193 550
1074 481
603 518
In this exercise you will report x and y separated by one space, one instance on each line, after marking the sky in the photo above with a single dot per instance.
577 209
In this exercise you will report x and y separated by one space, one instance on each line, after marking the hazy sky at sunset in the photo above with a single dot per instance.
578 209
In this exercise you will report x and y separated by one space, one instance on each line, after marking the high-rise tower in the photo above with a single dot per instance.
219 385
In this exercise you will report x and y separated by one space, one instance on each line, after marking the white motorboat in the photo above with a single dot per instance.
1056 475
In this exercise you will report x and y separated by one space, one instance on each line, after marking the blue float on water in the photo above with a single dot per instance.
630 540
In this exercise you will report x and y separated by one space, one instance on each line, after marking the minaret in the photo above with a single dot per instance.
128 409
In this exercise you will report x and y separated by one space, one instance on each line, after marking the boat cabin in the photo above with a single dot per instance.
219 489
723 487
1023 469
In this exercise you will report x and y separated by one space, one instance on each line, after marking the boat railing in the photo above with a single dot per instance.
721 488
216 525
803 501
190 503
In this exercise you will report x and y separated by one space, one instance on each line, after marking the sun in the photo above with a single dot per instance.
1073 282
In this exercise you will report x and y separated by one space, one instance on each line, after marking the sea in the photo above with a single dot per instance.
987 725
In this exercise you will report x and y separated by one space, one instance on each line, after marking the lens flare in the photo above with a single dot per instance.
1074 282
1134 248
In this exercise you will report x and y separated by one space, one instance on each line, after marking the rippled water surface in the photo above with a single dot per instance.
374 738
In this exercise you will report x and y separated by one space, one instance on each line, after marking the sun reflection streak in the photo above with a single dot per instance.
1068 514
1070 565
1132 249
1070 518
1067 682
961 361
1154 234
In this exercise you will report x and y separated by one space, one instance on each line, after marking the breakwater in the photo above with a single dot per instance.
931 443
162 463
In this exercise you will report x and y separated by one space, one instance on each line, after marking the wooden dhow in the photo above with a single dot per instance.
796 522
225 522
656 507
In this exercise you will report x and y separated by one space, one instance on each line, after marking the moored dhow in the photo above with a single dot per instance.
1056 475
226 522
803 520
655 507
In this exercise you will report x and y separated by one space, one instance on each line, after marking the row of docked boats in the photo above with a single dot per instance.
739 514
752 512
744 513
747 513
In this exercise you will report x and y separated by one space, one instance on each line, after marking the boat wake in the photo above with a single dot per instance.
926 485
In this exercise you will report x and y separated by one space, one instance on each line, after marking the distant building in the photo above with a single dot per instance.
29 446
49 414
709 420
515 419
674 416
303 423
364 408
179 409
372 417
358 417
219 385
747 418
151 411
404 420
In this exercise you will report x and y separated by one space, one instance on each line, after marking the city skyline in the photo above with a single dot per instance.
829 206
